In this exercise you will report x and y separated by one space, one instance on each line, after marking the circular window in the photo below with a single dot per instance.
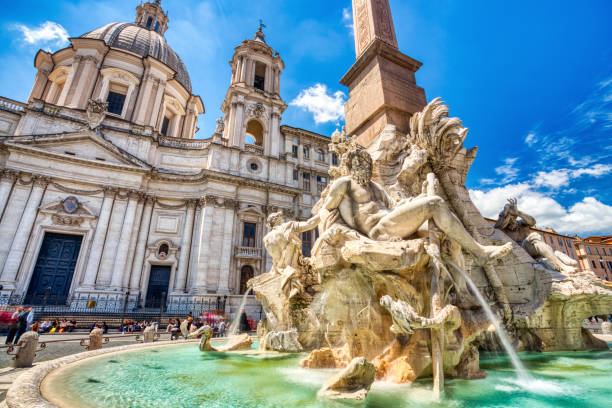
254 166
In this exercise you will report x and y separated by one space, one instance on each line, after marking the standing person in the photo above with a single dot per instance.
13 326
22 323
244 322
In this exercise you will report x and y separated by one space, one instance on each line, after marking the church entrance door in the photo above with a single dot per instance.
159 279
54 269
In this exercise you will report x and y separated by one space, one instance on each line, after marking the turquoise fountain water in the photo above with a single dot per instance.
182 376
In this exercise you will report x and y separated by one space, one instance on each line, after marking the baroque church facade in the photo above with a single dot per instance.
105 194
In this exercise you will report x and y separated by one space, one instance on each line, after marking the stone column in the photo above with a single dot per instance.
183 265
22 236
196 240
141 244
10 220
42 76
275 137
228 246
238 138
243 69
97 245
133 239
111 243
7 179
123 246
203 259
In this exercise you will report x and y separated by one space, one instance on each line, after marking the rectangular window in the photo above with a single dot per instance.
335 159
321 155
306 180
296 175
560 242
321 184
602 265
589 251
597 250
569 244
306 243
306 152
248 234
115 102
294 151
552 241
604 251
593 262
165 124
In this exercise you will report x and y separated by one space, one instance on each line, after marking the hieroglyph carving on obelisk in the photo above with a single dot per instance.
372 19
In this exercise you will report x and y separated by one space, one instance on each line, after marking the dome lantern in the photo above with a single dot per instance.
151 16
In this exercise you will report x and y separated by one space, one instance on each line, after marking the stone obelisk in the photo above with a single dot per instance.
382 85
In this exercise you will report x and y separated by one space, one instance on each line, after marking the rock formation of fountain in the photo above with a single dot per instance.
391 224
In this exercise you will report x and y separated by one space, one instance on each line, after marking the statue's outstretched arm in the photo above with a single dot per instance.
529 220
308 224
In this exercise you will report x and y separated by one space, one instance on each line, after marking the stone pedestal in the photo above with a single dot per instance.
382 91
149 334
95 340
27 350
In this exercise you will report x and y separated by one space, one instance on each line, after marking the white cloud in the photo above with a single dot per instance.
552 179
507 170
46 34
347 19
531 138
324 106
561 177
588 216
597 170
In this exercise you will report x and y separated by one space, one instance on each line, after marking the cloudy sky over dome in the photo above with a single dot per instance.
531 80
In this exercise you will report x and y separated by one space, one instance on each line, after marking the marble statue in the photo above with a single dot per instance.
284 245
367 208
517 225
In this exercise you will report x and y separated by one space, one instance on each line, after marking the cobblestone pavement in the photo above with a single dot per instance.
56 350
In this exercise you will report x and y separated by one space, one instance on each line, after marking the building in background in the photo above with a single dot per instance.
118 201
595 255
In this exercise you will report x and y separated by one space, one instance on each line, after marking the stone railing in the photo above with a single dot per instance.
180 143
253 149
12 105
248 252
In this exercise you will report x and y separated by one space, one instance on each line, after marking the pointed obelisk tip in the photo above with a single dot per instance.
372 20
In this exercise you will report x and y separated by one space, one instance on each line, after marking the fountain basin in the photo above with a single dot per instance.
179 375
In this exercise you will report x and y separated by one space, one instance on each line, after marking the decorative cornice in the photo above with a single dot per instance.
41 181
109 191
8 175
70 190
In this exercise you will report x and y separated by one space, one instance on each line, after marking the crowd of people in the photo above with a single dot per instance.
22 320
174 326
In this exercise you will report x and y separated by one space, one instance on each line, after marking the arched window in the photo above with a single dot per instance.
162 251
254 133
246 273
260 76
149 22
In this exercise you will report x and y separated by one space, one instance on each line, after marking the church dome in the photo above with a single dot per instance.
144 42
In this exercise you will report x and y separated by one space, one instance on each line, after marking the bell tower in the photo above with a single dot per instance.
151 16
253 105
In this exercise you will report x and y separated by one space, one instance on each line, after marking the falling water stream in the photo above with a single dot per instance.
521 372
233 329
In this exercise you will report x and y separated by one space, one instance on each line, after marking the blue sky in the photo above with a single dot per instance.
532 80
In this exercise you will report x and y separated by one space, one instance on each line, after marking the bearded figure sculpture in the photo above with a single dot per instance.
517 225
